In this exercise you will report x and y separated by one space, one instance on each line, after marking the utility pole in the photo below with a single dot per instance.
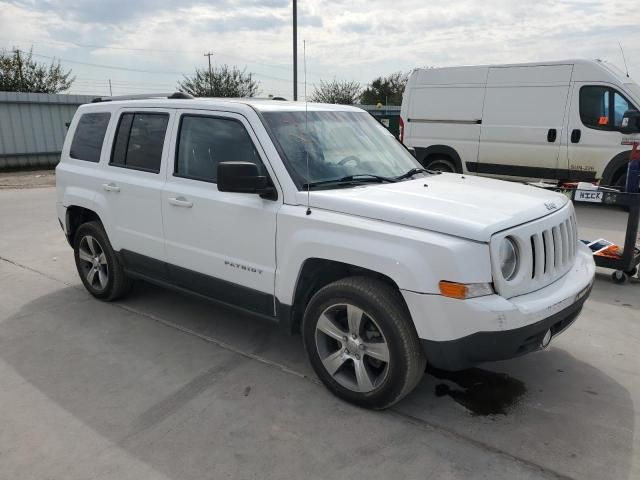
210 73
295 50
110 91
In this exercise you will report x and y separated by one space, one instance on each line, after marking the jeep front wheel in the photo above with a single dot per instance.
362 343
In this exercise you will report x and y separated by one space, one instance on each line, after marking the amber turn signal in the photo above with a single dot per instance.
462 291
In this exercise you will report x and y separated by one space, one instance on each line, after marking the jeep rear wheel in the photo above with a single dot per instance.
98 267
361 342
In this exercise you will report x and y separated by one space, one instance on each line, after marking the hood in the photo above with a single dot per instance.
460 205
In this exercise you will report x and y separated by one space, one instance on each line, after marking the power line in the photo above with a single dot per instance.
155 72
152 50
119 82
110 67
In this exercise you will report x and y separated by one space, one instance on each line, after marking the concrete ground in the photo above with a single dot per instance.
27 179
166 386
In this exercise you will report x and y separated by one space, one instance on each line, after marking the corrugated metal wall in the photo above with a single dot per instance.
33 126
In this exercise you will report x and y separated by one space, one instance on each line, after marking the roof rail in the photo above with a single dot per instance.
260 98
144 96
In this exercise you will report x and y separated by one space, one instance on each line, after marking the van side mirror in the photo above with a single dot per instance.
243 177
413 152
630 122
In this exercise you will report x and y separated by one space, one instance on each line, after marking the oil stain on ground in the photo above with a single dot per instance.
481 392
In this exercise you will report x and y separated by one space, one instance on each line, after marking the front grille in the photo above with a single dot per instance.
546 249
553 249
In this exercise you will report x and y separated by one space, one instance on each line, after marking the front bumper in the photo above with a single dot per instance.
493 346
457 334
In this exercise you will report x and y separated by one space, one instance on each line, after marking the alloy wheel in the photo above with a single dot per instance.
93 262
352 347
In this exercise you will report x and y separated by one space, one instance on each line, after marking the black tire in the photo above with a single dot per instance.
440 164
385 311
621 182
619 277
91 238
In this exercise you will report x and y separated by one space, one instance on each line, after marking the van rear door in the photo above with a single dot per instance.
523 121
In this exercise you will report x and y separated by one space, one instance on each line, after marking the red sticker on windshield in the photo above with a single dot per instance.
603 121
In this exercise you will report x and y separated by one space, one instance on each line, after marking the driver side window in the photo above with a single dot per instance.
204 142
602 107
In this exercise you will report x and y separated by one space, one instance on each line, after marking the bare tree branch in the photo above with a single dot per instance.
224 81
344 92
20 73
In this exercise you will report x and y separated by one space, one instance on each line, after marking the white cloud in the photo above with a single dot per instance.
351 40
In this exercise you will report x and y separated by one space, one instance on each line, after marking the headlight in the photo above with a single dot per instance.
508 258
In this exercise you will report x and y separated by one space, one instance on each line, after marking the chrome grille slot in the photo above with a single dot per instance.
565 243
550 251
539 255
557 245
547 249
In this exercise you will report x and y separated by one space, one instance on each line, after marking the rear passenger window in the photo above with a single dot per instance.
89 136
139 141
204 142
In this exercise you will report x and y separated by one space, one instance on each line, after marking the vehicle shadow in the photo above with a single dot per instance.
126 378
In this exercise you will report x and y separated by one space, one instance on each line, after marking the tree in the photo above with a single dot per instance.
19 73
337 91
385 90
223 81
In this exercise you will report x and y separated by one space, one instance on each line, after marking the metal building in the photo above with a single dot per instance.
33 126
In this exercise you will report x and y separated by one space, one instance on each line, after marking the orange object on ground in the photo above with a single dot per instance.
612 251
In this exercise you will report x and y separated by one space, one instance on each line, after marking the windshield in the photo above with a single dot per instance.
635 91
339 144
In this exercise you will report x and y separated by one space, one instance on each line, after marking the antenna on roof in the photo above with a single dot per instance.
306 123
624 59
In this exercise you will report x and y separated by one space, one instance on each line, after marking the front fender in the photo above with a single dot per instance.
414 259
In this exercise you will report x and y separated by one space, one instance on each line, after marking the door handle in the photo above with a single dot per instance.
575 135
552 134
111 187
180 202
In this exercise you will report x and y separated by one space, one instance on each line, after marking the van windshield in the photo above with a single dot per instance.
338 144
635 91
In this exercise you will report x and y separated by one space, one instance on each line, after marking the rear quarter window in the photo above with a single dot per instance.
89 136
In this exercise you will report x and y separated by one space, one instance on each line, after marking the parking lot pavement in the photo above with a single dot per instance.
163 385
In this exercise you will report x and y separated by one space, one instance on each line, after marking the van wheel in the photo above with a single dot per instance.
440 164
362 343
98 267
621 182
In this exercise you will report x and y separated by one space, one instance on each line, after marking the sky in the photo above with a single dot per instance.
149 45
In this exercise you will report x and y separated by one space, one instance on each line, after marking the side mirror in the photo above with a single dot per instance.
243 177
412 151
630 122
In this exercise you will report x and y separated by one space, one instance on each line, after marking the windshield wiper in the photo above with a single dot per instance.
412 172
352 180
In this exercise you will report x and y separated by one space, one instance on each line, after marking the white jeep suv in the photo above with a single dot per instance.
322 221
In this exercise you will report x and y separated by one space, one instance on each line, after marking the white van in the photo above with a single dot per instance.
552 120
